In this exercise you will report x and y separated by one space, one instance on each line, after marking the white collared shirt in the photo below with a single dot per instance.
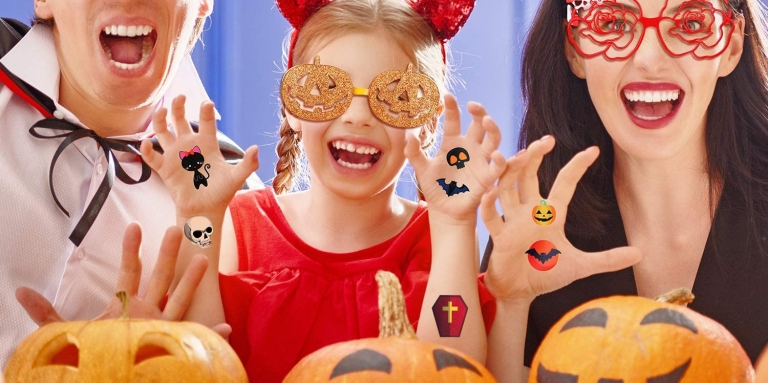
34 244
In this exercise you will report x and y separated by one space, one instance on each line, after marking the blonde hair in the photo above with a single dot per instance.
396 17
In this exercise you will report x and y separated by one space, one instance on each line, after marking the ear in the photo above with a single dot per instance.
293 121
206 7
575 60
732 55
43 9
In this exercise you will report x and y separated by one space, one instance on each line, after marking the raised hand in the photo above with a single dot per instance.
510 275
149 305
192 167
464 168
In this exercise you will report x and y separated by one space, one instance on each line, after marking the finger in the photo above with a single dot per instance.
37 307
223 329
207 119
160 125
508 194
498 165
492 138
152 158
130 265
452 126
414 154
611 260
178 117
570 175
165 268
488 212
528 184
476 130
248 165
182 296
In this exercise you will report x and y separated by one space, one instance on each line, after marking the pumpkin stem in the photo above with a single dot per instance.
681 296
393 319
123 297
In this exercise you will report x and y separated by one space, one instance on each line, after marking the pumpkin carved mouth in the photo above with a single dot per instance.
546 376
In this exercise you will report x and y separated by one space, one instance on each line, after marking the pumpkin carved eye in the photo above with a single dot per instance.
445 359
61 350
155 345
545 376
673 377
595 317
668 316
362 360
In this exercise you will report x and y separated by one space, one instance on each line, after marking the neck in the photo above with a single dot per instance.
652 193
104 119
346 225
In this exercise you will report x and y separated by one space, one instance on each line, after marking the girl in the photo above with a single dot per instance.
301 265
679 113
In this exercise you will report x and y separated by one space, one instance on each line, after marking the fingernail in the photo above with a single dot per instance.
548 136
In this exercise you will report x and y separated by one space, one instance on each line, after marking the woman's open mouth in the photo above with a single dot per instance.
128 47
354 156
652 108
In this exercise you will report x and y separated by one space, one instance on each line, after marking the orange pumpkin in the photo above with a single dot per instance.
543 214
123 351
634 339
396 356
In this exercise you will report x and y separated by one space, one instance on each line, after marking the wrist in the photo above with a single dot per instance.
446 220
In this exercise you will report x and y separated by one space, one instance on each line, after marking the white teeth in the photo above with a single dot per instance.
128 30
350 147
648 96
364 166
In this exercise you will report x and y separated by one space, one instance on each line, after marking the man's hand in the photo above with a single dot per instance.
150 306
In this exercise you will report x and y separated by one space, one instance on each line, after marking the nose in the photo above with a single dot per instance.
650 56
359 114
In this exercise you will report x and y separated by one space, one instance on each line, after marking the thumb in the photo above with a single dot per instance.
414 154
248 165
37 307
152 158
606 261
223 329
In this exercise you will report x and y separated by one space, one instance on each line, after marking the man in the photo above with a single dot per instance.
77 94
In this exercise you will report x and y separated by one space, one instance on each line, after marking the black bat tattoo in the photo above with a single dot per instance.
452 188
543 257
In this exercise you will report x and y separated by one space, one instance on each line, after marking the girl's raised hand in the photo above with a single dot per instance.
531 255
464 168
192 167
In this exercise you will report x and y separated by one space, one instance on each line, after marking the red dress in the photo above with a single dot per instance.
290 299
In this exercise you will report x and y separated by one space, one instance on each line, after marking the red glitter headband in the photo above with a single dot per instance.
446 17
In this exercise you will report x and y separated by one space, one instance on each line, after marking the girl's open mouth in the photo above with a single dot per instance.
354 156
652 108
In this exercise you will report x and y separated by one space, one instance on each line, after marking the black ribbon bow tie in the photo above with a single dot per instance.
74 133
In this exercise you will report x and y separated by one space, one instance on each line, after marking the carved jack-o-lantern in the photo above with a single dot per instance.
544 214
634 339
325 94
396 356
124 351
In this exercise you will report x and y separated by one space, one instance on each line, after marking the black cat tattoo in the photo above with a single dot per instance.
192 161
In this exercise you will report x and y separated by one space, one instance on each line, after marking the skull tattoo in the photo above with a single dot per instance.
198 230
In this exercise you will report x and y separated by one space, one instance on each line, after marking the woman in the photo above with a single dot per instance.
675 96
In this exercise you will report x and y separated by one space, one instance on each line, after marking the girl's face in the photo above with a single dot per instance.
356 155
653 102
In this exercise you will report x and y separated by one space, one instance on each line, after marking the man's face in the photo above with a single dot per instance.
122 53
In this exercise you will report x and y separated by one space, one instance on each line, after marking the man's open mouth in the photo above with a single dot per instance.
128 47
354 156
652 105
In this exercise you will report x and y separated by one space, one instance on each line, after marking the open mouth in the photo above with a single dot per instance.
128 47
354 156
652 105
543 219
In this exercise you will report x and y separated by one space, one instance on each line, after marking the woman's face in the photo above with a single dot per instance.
652 91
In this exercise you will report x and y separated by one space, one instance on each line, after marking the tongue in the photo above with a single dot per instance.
355 158
125 49
652 109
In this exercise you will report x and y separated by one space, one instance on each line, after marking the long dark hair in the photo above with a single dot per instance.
558 103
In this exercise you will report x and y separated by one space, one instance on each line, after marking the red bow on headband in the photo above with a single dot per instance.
446 17
194 150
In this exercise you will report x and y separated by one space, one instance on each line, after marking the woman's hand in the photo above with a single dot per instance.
464 168
149 306
198 178
511 274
